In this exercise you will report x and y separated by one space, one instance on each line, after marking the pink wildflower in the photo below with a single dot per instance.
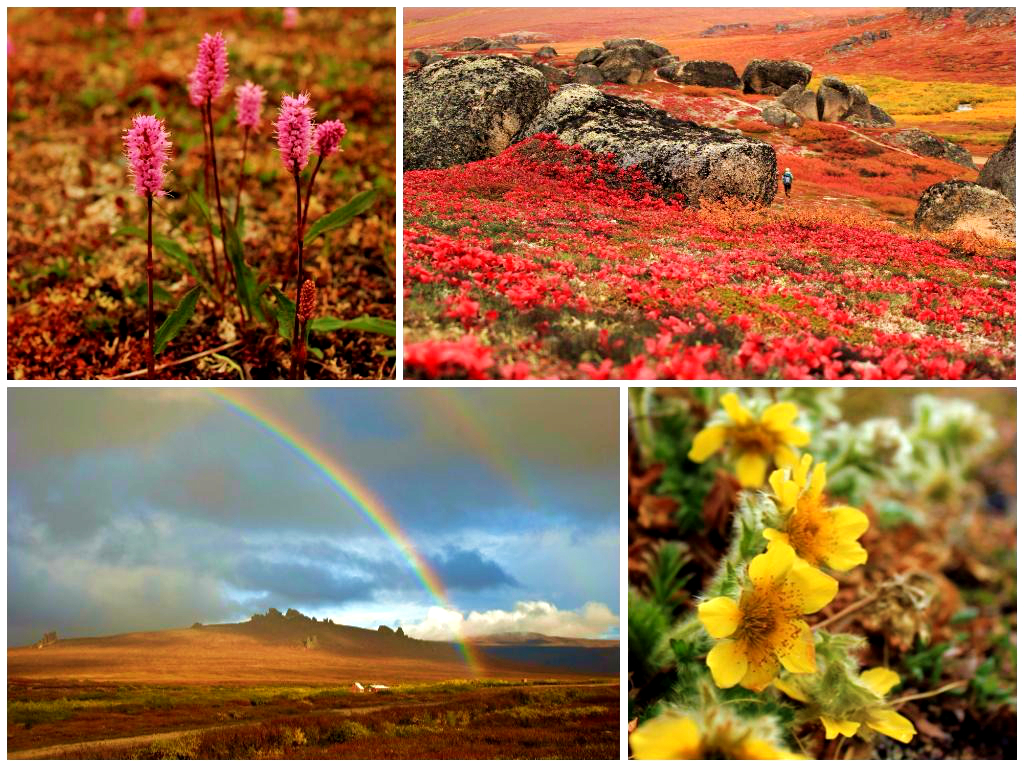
136 17
250 102
290 19
211 73
10 47
146 145
328 136
295 131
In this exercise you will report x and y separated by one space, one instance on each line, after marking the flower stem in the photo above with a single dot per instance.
296 364
220 206
150 366
855 606
206 192
928 694
309 191
241 175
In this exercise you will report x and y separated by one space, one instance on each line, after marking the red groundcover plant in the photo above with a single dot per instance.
551 261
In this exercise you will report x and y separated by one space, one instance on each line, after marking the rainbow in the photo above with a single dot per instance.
352 492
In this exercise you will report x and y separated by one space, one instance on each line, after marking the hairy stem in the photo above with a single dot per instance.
150 365
929 694
241 175
855 606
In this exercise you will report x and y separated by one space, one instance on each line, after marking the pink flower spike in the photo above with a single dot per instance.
328 136
250 103
146 146
136 17
295 131
290 20
211 73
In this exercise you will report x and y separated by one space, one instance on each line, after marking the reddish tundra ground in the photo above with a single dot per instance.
549 261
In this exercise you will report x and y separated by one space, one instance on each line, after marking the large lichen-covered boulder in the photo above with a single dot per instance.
931 146
774 77
710 74
628 64
679 156
961 205
457 111
1000 172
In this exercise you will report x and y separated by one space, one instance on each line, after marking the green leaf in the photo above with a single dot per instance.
341 216
285 311
166 245
364 323
176 320
140 294
317 353
248 289
389 352
200 203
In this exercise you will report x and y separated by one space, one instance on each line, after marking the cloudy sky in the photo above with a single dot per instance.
137 509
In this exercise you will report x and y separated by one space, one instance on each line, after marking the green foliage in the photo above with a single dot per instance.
249 291
285 312
666 565
326 323
683 480
926 663
341 216
647 632
177 320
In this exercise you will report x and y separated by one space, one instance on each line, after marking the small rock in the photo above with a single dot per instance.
588 74
588 55
546 52
418 58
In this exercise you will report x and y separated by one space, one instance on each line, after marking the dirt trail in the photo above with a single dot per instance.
58 750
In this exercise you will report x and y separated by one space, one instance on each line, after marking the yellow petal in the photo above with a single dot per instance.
750 470
801 469
772 535
784 456
834 727
773 564
706 442
786 491
846 555
666 737
795 436
779 416
849 522
719 616
760 672
790 690
740 415
893 725
728 663
755 749
818 479
795 648
814 589
879 679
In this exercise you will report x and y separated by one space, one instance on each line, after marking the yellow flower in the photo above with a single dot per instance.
764 628
753 441
878 680
819 534
675 736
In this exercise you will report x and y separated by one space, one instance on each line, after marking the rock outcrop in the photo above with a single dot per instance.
457 110
961 205
777 114
588 55
628 64
990 17
588 74
724 29
1000 172
653 50
931 146
929 15
801 102
418 58
774 77
554 74
838 101
679 156
710 74
546 52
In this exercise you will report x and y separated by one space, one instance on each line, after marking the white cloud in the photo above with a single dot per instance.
592 620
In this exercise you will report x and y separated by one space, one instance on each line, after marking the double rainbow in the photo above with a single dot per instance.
353 492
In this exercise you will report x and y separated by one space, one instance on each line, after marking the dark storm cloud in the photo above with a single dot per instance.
165 504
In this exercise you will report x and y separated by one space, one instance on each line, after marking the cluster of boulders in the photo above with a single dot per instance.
987 208
628 60
461 110
975 17
723 29
834 101
867 39
710 74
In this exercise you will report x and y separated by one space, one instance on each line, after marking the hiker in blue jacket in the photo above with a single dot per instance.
787 181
